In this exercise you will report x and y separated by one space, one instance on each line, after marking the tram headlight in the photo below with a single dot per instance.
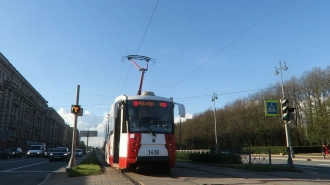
170 144
134 144
133 150
171 150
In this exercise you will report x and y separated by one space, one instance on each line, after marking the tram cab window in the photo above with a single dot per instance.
140 114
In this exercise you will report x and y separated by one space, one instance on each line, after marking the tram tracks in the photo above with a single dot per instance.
182 175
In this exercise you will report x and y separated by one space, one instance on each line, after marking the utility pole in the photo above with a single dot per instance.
215 97
180 134
75 109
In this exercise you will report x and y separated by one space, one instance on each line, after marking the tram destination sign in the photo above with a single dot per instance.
149 104
88 133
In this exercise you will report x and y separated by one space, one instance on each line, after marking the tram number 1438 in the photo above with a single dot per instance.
153 152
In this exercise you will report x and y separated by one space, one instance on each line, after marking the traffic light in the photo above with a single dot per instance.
75 109
291 115
285 109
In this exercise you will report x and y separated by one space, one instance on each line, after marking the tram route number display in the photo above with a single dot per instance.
149 104
153 152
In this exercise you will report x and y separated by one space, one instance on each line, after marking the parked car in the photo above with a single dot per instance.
4 153
15 152
60 153
48 151
78 153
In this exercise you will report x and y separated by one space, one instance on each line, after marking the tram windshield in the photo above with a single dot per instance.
150 116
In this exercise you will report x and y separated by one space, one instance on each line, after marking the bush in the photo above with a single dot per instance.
283 149
265 149
306 149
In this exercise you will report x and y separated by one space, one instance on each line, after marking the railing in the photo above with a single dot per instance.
257 156
194 151
249 156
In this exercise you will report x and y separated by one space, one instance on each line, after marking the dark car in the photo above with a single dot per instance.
78 153
15 152
4 153
48 151
60 153
84 150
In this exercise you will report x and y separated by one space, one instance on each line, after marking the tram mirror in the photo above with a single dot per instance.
114 110
182 110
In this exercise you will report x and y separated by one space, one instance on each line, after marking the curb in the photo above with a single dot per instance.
60 169
303 159
53 173
45 179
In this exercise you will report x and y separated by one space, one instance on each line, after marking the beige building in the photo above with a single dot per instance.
24 114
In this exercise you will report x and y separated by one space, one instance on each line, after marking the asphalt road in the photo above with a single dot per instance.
306 163
27 171
32 171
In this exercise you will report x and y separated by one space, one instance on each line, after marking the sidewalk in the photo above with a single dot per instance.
303 158
111 176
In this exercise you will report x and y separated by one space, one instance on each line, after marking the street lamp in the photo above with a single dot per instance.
288 144
215 97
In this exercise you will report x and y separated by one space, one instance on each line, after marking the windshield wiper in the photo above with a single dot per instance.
151 132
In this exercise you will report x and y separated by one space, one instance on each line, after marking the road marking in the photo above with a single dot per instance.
26 171
14 161
307 167
324 164
26 166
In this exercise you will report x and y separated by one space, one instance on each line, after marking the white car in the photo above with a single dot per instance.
78 153
35 151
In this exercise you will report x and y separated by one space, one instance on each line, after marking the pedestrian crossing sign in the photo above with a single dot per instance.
272 108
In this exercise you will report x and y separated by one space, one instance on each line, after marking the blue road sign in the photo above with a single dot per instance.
272 108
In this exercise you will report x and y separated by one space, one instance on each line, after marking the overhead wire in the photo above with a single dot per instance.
189 97
221 94
202 96
140 45
239 36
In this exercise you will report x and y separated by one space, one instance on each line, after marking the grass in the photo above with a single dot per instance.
253 167
89 166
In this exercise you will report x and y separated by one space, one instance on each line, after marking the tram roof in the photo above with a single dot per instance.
142 97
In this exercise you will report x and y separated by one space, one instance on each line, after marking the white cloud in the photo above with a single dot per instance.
177 118
85 122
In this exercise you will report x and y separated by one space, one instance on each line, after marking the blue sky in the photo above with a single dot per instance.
200 48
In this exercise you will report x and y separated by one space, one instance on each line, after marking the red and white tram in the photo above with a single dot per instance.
140 131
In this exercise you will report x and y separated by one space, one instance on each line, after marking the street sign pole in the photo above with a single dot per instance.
72 162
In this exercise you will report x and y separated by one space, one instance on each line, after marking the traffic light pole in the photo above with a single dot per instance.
288 144
72 162
287 135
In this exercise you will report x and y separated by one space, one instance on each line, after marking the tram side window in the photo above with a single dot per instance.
117 122
110 127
